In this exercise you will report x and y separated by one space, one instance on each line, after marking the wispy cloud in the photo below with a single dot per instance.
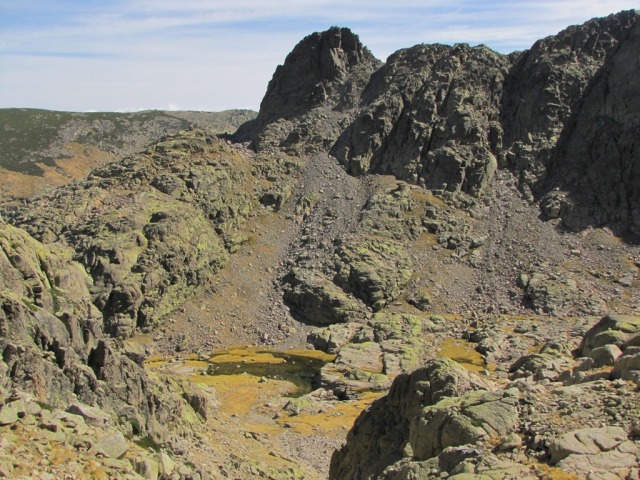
112 54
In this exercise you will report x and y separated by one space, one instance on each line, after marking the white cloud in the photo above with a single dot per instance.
199 54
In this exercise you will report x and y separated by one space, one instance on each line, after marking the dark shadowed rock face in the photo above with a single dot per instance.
562 115
316 71
440 128
320 79
568 121
597 162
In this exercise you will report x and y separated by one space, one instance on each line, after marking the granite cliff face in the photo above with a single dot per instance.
312 93
561 115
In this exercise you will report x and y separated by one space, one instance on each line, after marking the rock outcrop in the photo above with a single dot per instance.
438 129
381 435
311 94
54 348
568 107
442 419
154 228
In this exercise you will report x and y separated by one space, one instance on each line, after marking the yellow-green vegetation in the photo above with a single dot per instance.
547 472
298 368
334 419
240 393
463 353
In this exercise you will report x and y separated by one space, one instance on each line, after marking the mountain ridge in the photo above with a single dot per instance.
531 100
399 221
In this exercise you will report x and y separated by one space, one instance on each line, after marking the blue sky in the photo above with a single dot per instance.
127 55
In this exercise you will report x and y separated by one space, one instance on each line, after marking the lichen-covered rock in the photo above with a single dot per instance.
112 446
151 229
317 300
465 420
380 435
374 271
605 452
610 330
358 367
53 346
550 295
548 363
460 463
627 367
330 339
595 163
603 356
393 213
401 338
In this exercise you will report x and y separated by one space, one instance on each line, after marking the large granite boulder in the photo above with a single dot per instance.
381 435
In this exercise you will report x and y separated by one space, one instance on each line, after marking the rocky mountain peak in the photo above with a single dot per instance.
324 75
312 73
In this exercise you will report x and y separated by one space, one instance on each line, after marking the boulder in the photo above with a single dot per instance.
330 339
374 271
627 367
548 363
610 330
166 465
111 446
605 356
465 420
599 453
380 436
317 300
146 468
10 412
92 415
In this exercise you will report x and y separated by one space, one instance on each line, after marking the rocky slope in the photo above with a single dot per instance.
442 418
63 375
390 216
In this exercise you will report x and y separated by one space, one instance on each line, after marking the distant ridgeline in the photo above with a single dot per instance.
42 148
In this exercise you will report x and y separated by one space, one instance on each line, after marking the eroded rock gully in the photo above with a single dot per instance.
376 221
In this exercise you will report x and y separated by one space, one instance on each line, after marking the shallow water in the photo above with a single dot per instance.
300 367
